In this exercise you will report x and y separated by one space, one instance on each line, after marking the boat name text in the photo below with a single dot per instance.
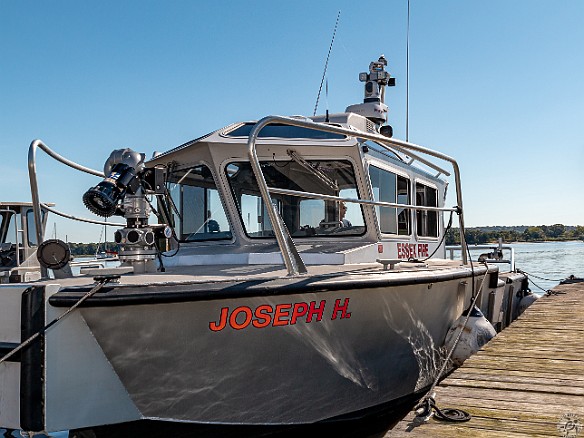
412 250
266 315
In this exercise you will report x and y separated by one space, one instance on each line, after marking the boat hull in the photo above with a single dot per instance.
361 348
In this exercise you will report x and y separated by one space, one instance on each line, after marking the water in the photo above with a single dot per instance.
550 261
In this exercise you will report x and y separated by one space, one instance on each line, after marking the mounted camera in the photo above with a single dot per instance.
123 192
373 106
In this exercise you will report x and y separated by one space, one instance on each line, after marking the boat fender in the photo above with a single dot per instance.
527 301
477 332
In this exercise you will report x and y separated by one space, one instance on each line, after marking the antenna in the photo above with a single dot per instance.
326 100
408 75
326 63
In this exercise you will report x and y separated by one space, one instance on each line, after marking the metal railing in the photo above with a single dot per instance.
511 260
292 259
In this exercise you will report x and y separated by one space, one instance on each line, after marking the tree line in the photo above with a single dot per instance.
90 249
539 233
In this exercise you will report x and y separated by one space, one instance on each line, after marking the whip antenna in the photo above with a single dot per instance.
326 63
408 74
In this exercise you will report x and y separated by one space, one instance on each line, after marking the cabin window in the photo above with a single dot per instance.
303 217
426 221
201 213
7 230
390 187
285 131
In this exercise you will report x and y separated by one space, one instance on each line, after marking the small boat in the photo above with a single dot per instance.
297 274
18 242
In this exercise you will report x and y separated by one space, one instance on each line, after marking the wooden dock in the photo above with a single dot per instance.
527 381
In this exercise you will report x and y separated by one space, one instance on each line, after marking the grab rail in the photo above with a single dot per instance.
510 261
292 259
310 195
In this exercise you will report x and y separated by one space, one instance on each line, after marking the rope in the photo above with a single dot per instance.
101 282
443 237
540 278
548 292
428 405
326 63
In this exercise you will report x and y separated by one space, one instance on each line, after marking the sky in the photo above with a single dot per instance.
497 85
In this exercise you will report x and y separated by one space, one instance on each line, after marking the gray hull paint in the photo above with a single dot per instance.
175 367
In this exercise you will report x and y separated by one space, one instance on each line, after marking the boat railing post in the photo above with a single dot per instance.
34 189
282 235
292 259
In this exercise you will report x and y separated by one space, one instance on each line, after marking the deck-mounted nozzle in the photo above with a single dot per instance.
373 106
123 193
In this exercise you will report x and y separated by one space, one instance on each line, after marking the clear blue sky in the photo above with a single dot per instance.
498 85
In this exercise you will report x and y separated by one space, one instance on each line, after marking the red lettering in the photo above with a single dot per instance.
299 310
400 254
222 321
263 316
313 310
233 318
282 310
423 249
342 309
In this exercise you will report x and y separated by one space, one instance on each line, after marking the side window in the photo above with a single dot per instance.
390 187
426 221
31 226
202 216
6 232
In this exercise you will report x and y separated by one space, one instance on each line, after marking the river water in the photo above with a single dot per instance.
550 261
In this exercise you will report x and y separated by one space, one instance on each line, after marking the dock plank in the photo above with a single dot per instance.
523 382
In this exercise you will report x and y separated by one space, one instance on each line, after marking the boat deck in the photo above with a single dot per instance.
263 272
528 381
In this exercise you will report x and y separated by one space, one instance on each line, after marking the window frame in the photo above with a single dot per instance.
426 185
382 166
279 161
227 235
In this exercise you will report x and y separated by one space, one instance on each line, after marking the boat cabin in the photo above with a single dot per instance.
324 186
18 242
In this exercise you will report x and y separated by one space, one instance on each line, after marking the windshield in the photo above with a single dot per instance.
303 217
201 215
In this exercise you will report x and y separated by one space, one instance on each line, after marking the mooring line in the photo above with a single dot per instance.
100 283
428 404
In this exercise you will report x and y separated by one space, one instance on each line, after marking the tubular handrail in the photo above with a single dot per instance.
290 254
34 189
311 195
81 219
431 165
511 260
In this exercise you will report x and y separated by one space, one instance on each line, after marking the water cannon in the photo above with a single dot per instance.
121 170
123 192
373 106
